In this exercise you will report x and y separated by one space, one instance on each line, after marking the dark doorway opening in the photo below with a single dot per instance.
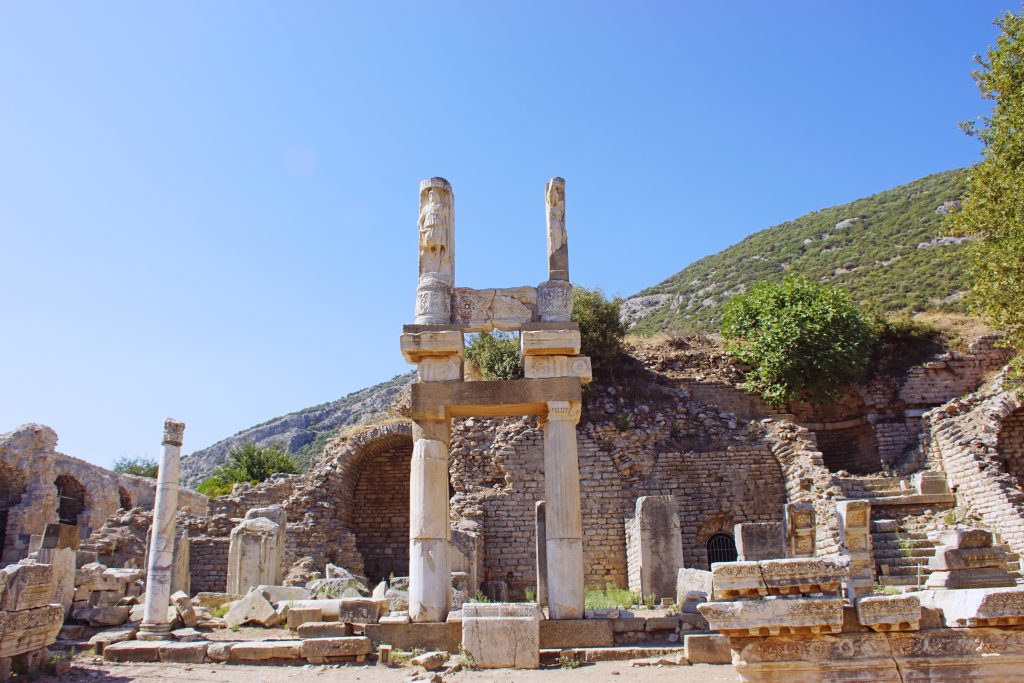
70 499
721 548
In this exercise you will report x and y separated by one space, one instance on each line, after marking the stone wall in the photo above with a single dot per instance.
380 513
1011 444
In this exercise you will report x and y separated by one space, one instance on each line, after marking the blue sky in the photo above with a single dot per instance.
207 210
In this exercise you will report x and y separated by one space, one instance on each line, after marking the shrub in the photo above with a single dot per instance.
248 463
600 321
140 467
803 340
495 356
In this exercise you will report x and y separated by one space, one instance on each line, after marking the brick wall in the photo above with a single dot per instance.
380 513
1011 444
208 564
851 448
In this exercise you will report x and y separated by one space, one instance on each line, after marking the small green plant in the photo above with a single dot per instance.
609 598
568 661
885 590
465 659
906 544
480 597
495 356
649 600
220 610
531 595
623 421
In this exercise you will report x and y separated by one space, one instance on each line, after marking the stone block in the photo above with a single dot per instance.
61 536
731 580
324 629
977 606
654 546
481 310
133 651
564 634
990 577
775 616
62 562
259 651
543 367
948 558
252 609
846 658
109 636
502 635
211 601
805 575
890 612
549 342
759 541
799 523
187 635
419 345
625 624
661 624
928 483
219 651
707 649
693 586
361 610
29 629
186 612
440 369
182 653
425 636
404 618
254 555
321 650
26 586
277 594
964 538
431 661
114 615
296 616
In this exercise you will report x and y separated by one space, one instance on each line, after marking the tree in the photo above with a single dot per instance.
601 326
495 356
248 463
993 210
140 466
803 340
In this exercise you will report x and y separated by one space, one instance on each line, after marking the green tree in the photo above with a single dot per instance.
495 356
600 321
803 340
140 466
993 210
248 463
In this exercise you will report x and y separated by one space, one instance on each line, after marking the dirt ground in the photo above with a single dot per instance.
90 668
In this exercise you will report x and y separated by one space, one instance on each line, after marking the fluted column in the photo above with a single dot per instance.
430 592
563 520
155 625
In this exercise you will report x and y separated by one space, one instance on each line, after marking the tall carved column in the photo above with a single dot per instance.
554 297
563 520
437 253
430 591
155 625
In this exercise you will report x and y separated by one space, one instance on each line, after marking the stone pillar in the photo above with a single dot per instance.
554 297
799 523
181 579
855 541
654 547
542 554
437 253
564 523
253 555
429 529
274 571
155 625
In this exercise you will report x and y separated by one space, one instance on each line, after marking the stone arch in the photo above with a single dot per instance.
124 498
844 434
12 487
719 524
70 499
1011 444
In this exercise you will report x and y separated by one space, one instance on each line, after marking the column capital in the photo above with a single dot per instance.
564 411
174 431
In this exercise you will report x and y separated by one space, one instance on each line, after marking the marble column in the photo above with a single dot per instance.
542 554
554 296
437 252
429 529
563 520
155 624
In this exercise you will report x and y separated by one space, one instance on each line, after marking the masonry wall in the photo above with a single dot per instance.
208 564
1011 444
380 513
850 448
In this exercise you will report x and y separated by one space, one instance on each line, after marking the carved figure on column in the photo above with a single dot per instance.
437 252
558 241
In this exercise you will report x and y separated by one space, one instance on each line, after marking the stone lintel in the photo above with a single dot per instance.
419 345
777 616
535 326
550 342
890 612
503 398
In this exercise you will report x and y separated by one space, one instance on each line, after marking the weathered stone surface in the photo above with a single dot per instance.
732 580
265 650
186 612
324 629
320 650
361 610
253 555
707 649
654 548
182 652
573 633
431 661
759 540
854 518
61 536
977 606
482 310
252 609
277 594
297 616
219 651
419 345
109 636
693 586
549 342
987 577
133 651
798 519
805 575
502 635
62 563
775 616
824 658
187 635
26 586
29 629
947 558
964 538
890 612
541 367
426 636
103 616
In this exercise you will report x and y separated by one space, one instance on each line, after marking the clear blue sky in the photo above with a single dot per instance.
208 209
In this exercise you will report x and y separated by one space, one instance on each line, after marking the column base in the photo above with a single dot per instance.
154 632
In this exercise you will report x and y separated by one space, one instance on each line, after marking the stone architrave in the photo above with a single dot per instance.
25 586
253 555
890 612
799 524
855 541
542 553
30 629
564 522
534 342
801 575
155 622
558 241
654 547
430 592
502 635
437 252
759 541
734 580
542 367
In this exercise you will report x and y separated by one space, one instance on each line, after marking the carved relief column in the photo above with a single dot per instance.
430 590
563 520
554 297
437 253
155 624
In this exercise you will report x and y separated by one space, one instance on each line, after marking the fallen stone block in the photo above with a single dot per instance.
947 558
133 651
775 616
321 650
361 610
297 616
963 538
186 612
211 601
324 629
29 630
989 577
107 637
977 606
707 649
693 586
502 635
182 652
252 609
400 619
26 586
732 580
431 661
663 660
277 594
103 616
187 635
259 651
426 636
219 651
571 633
889 612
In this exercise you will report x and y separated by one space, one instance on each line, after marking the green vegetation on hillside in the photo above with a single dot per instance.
875 248
993 210
140 467
248 463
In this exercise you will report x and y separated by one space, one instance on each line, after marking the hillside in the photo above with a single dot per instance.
887 250
302 433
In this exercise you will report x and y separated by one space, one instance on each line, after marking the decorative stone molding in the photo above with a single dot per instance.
543 367
174 432
775 616
549 342
733 580
890 612
564 411
805 575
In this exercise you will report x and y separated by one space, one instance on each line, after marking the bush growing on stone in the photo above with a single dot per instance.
248 463
600 321
140 467
803 340
495 356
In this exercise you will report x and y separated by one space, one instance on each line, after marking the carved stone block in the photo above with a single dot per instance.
977 606
502 635
29 629
419 345
26 586
731 580
890 612
759 540
483 310
550 342
775 616
542 367
440 369
799 524
554 301
805 575
947 558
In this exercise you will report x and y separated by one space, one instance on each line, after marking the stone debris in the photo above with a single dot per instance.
977 607
186 612
431 661
253 608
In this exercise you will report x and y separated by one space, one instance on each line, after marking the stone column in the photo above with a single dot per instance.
554 296
855 540
542 554
799 522
155 625
437 253
564 524
429 529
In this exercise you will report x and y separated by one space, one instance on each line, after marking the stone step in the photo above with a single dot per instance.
898 580
906 570
617 653
933 499
884 526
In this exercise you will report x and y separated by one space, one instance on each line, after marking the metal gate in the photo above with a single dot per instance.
721 548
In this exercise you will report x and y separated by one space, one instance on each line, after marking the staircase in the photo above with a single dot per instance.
901 557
